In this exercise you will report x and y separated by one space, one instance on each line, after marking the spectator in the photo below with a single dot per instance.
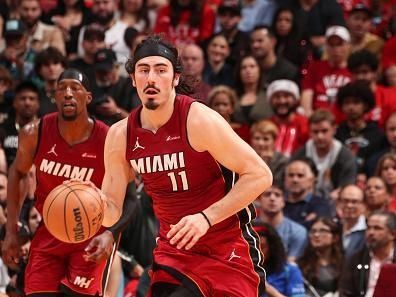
390 76
283 278
257 13
93 40
364 66
324 78
17 56
137 14
113 95
386 169
49 64
293 235
263 42
193 61
69 17
360 272
377 194
314 17
389 146
40 35
6 94
105 14
263 136
351 206
284 96
229 16
217 71
26 105
302 204
253 103
186 21
362 137
290 44
223 99
335 162
322 260
359 25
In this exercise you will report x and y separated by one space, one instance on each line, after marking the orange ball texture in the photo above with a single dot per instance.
73 212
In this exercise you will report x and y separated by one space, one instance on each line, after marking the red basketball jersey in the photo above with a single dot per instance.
182 181
57 161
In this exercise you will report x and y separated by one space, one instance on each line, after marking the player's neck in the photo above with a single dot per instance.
77 131
154 119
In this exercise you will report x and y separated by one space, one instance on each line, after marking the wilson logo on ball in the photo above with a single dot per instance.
78 229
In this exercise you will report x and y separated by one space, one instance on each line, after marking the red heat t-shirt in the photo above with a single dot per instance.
57 161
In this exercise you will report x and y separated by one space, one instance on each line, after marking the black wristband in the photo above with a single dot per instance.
206 218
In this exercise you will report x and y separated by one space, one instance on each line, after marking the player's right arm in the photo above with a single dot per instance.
27 145
118 172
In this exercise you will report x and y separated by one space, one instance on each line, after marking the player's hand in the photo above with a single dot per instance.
92 185
187 231
100 247
11 250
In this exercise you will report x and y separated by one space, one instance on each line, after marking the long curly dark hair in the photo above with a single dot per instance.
195 6
309 262
276 260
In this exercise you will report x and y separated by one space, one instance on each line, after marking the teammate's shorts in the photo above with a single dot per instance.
53 264
221 265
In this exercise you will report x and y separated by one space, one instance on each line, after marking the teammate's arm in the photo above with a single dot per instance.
27 144
118 173
232 152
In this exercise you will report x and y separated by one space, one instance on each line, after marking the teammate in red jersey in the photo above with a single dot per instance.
63 145
202 178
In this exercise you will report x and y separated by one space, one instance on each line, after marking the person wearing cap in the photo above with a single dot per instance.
361 136
229 16
17 56
40 34
324 77
284 97
176 145
55 267
113 95
93 40
359 24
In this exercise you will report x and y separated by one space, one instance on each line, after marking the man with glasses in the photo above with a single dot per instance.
351 209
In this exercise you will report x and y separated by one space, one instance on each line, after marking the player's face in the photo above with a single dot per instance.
71 99
155 81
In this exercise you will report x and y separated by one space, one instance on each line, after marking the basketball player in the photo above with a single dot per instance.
63 145
202 178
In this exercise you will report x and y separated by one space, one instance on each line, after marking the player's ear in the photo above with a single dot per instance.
176 79
133 80
89 97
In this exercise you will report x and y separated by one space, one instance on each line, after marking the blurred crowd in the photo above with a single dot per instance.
309 84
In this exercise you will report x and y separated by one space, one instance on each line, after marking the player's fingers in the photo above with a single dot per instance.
175 238
193 241
175 228
185 239
94 243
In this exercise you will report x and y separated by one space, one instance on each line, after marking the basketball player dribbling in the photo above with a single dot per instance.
63 145
202 178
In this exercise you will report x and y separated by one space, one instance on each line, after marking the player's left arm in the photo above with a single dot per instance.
232 152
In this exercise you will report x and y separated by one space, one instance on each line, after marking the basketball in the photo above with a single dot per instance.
73 212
